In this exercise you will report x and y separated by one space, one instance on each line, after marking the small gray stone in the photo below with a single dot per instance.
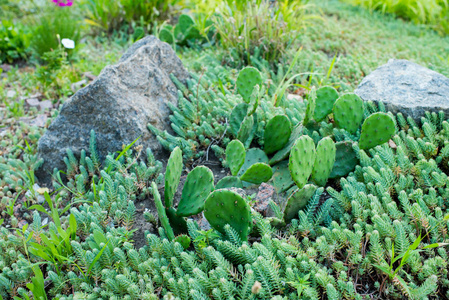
43 105
117 105
33 102
406 87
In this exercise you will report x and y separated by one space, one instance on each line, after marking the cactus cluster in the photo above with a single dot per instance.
197 187
185 32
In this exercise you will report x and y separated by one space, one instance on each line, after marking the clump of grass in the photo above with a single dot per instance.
432 12
270 27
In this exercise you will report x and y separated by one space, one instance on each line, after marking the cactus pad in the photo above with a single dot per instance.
325 99
302 158
376 130
324 161
253 156
227 207
257 173
246 129
166 35
235 156
284 152
348 112
310 110
345 160
298 200
229 182
282 180
199 184
161 212
277 132
248 78
172 176
184 240
238 114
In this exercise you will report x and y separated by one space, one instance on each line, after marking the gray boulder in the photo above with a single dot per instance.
118 105
406 87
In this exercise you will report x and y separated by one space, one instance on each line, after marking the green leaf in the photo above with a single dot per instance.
435 245
97 257
384 269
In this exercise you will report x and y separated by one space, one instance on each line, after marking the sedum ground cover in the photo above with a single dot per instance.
371 222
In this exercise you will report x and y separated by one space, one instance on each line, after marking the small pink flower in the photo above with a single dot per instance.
62 3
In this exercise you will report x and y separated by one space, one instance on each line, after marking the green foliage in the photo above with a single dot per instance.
245 26
377 129
345 160
277 133
172 176
302 158
235 156
247 80
112 16
52 24
324 161
325 99
431 12
297 201
348 112
227 207
14 42
199 184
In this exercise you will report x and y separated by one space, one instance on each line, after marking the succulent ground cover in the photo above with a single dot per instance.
360 203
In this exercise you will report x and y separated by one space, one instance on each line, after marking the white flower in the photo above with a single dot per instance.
67 43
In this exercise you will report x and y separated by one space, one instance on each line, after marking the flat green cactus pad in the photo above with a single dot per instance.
199 184
172 176
282 180
238 114
325 99
248 78
257 173
348 112
253 156
302 158
324 161
298 200
376 130
284 152
227 207
277 132
229 182
235 156
345 160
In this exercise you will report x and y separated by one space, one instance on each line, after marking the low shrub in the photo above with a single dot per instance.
14 42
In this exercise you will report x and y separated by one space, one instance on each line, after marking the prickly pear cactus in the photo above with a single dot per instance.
345 160
310 110
166 34
282 180
178 223
298 200
161 213
348 112
376 130
248 78
277 132
325 99
172 175
227 207
253 156
257 173
254 101
235 156
238 114
284 152
184 240
229 182
199 184
246 129
302 158
324 161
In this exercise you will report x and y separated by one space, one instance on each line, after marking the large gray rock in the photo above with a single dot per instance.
406 87
118 105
